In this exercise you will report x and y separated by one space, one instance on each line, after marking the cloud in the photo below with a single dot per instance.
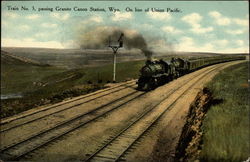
188 45
45 35
199 30
97 19
28 39
70 44
29 42
239 42
159 15
89 20
40 35
214 14
225 21
60 16
49 25
235 32
242 22
194 20
242 49
24 27
161 44
171 30
221 43
218 46
219 19
33 17
11 15
118 16
146 26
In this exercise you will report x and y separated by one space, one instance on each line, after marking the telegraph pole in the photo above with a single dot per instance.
115 49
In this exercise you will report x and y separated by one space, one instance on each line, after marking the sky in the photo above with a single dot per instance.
196 26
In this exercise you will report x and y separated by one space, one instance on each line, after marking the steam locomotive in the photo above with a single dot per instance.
158 72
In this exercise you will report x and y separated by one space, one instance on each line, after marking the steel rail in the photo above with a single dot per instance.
69 130
61 110
4 121
64 122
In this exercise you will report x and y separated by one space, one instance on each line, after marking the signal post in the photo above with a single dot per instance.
115 49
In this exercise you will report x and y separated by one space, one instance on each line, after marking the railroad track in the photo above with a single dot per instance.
123 85
39 139
59 110
117 146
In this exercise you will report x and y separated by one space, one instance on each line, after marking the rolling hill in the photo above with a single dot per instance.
11 59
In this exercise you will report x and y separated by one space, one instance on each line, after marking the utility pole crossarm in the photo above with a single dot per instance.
114 48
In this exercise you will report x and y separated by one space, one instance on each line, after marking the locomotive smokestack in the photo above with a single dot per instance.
148 54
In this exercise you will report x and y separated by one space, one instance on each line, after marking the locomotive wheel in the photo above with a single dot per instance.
149 85
163 80
177 75
153 83
146 87
171 77
141 86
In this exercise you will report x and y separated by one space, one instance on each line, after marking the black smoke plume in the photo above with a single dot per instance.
98 38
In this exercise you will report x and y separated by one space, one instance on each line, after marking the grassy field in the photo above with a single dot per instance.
226 126
23 78
26 79
43 85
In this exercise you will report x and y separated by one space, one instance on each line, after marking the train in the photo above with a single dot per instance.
158 72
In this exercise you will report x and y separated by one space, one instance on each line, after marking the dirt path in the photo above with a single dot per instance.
117 110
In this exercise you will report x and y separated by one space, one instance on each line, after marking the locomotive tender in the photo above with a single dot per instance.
158 72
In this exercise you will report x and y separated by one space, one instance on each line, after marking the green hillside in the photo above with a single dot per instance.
41 85
19 74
